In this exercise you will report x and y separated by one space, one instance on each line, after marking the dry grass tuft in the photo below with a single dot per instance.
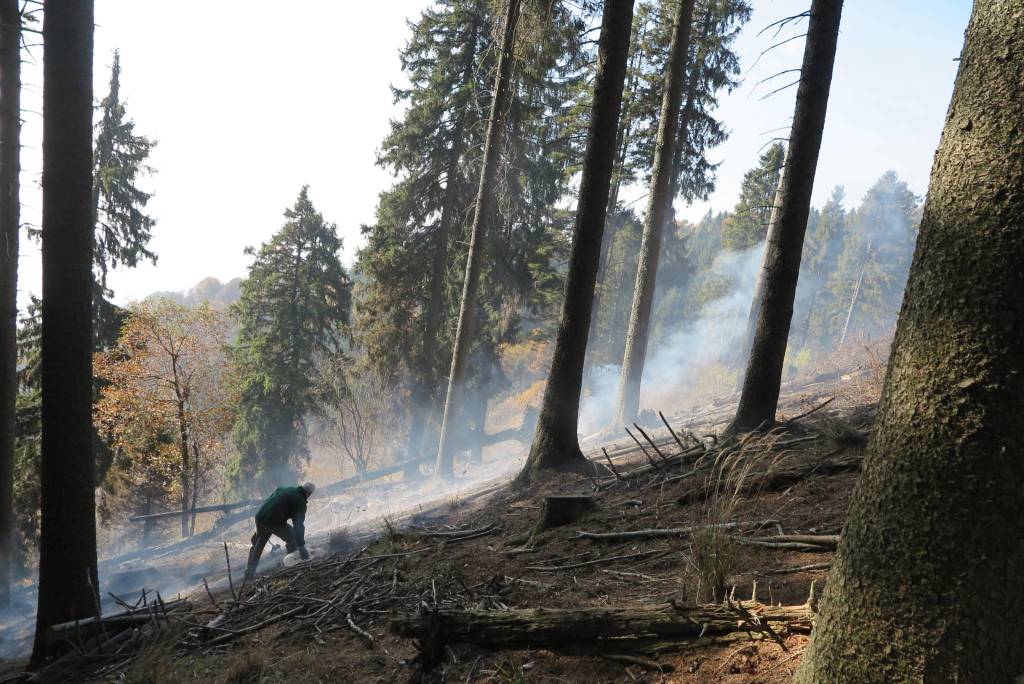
736 477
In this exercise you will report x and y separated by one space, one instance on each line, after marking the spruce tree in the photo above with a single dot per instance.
929 576
659 202
123 228
293 302
555 442
68 583
781 266
748 224
481 217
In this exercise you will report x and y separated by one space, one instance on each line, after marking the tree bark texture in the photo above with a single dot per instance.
760 396
555 442
660 199
67 548
478 238
928 583
10 153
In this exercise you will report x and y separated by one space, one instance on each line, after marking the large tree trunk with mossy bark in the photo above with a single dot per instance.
662 192
443 469
67 545
760 396
928 583
10 154
555 442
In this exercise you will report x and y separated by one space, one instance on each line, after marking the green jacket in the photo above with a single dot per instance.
284 504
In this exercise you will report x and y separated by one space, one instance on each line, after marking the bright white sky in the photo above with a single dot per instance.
249 101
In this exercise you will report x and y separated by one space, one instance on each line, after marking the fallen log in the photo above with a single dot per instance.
114 622
624 629
826 540
662 532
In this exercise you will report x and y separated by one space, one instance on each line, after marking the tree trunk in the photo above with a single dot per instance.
770 246
628 403
555 442
933 550
477 242
67 545
184 479
426 384
760 396
10 137
622 143
639 628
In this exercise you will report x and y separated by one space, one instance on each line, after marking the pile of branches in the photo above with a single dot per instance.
336 592
108 643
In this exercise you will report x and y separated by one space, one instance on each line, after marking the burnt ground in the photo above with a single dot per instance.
328 620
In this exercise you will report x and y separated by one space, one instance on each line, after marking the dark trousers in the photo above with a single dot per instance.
259 541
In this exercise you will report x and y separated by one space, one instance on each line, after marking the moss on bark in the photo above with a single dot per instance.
928 585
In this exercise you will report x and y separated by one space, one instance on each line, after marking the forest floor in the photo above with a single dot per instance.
330 620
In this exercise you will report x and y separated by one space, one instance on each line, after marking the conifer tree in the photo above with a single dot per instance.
68 583
481 218
555 442
660 199
748 224
927 582
293 302
760 395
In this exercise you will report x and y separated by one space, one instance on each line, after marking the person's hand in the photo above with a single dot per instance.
303 553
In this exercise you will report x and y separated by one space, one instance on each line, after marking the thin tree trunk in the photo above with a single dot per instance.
195 489
477 242
628 403
426 384
856 296
10 137
67 547
555 442
760 396
183 451
928 582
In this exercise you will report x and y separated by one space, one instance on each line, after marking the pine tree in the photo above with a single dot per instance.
10 225
293 302
68 583
555 442
781 268
123 228
928 582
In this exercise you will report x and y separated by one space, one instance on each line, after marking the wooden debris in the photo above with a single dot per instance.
632 629
660 533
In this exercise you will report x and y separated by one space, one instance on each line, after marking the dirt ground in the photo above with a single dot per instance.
477 552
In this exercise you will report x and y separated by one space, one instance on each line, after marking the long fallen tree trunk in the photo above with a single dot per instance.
627 629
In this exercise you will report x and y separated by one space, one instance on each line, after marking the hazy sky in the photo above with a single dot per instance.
249 102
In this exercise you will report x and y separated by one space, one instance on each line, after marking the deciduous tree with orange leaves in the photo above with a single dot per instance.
166 405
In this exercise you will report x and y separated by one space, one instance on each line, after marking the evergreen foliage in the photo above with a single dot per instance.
293 303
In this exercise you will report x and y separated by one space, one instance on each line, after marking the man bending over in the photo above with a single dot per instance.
286 503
